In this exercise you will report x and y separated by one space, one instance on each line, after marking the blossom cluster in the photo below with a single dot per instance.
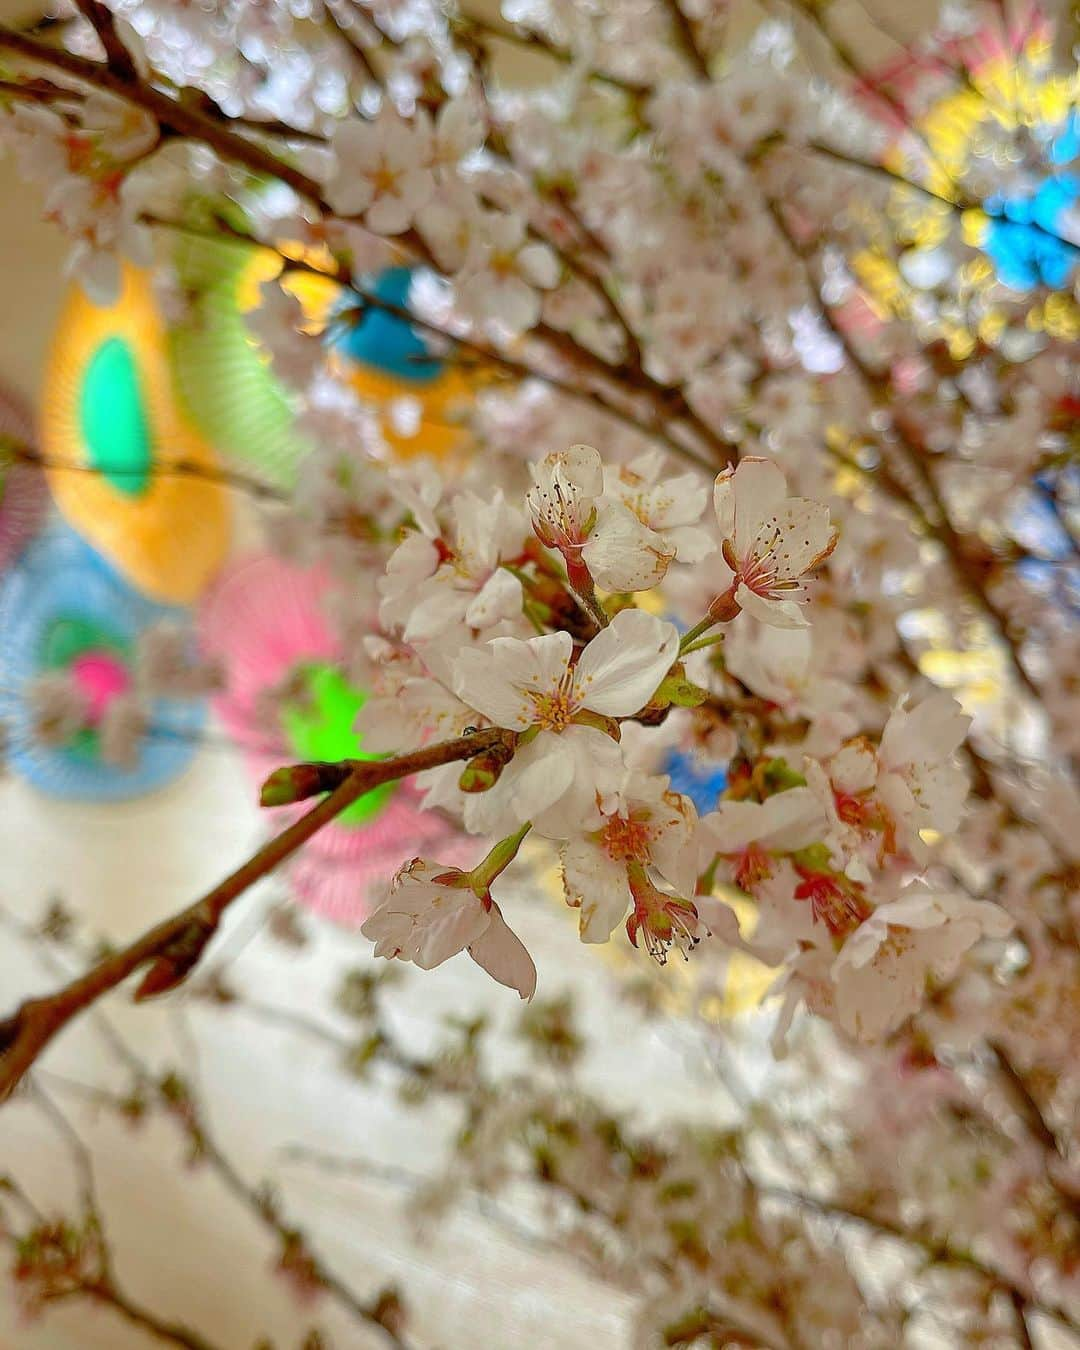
827 841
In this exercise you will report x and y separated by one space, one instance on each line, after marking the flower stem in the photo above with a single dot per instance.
497 861
692 634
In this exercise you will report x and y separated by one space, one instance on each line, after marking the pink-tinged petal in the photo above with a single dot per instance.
388 214
622 666
425 923
798 535
724 502
622 554
538 776
759 489
787 821
672 853
500 952
692 543
497 679
598 884
679 501
498 598
780 613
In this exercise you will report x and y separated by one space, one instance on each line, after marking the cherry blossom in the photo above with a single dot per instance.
503 273
882 969
433 586
651 829
566 767
380 171
769 542
431 913
748 834
643 523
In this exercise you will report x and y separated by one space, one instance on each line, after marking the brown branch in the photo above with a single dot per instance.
173 947
117 55
529 40
175 468
939 1251
686 39
1022 1096
352 42
186 119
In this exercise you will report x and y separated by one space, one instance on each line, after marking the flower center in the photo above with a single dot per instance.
834 901
752 865
626 839
554 710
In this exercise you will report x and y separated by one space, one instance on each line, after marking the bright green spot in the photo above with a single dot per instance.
320 727
112 418
68 638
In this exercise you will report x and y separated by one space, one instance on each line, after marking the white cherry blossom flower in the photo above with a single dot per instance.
429 916
125 130
380 170
881 972
752 835
650 830
779 664
503 273
459 583
769 542
562 504
643 523
566 772
919 783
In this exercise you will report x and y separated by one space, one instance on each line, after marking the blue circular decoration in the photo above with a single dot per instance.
62 607
386 342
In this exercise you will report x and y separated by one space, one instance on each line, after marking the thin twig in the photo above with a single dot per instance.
173 947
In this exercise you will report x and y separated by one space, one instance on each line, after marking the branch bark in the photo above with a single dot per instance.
173 947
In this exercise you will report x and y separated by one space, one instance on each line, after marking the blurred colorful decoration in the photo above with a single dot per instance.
982 242
64 610
421 399
230 391
125 467
24 497
700 779
286 700
225 385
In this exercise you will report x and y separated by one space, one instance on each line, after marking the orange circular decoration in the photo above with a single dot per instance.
126 468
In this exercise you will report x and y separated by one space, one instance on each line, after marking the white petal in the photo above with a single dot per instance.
780 613
620 669
623 554
596 772
757 487
496 679
692 543
500 952
498 598
598 884
803 536
535 780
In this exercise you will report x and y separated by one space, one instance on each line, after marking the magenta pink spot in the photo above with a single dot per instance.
100 676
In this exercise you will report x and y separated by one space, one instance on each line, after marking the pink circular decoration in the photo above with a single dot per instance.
100 677
264 621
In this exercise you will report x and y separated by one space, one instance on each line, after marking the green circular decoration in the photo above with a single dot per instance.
321 726
112 417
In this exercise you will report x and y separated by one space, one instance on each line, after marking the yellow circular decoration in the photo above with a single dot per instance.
124 463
